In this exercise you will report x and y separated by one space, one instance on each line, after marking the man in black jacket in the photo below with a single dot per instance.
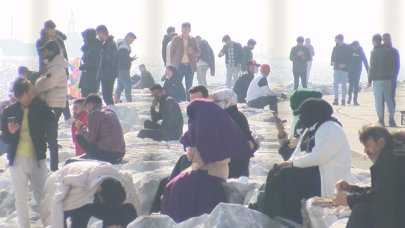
146 80
356 66
382 204
396 64
166 40
242 84
124 65
23 129
233 59
247 54
340 61
205 60
107 64
170 114
91 51
173 85
381 74
300 55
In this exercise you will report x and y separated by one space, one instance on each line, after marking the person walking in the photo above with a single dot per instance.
396 64
300 55
233 59
356 66
166 39
205 61
124 66
312 51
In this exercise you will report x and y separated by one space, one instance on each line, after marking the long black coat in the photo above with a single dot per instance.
91 52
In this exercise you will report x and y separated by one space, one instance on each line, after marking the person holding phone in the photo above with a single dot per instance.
300 56
124 66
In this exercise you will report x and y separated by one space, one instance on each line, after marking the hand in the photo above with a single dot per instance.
342 66
221 54
78 123
251 145
333 64
340 199
190 51
283 96
155 103
77 132
190 153
238 65
13 127
281 129
369 85
84 70
293 143
343 186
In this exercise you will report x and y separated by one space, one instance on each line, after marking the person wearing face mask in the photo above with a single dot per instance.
52 88
321 158
173 86
242 83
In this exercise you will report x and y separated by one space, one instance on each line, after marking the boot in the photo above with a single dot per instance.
335 102
392 122
355 103
343 102
381 121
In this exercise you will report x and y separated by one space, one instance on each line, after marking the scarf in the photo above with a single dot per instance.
225 98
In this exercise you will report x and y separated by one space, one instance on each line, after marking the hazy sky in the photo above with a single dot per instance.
320 20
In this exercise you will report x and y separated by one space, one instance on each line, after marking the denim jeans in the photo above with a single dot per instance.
383 88
124 82
51 129
202 75
297 76
185 71
340 77
232 74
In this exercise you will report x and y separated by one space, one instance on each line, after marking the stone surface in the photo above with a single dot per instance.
153 221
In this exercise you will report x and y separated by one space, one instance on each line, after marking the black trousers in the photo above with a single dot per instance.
122 216
354 80
51 129
88 91
153 131
66 111
286 189
361 217
107 87
297 76
93 152
238 168
262 102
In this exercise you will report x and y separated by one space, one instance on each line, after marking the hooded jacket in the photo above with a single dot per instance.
381 64
171 116
357 61
124 59
91 52
341 55
207 55
242 85
108 60
165 42
75 185
59 37
52 86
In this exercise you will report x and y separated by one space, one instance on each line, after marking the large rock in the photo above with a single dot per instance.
236 191
193 222
152 221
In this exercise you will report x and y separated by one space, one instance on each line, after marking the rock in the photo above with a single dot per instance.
249 196
193 222
340 223
152 221
327 90
236 191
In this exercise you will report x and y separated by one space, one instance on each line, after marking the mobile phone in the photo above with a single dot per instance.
276 116
12 120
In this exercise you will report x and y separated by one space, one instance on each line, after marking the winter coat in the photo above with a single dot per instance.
397 61
381 64
146 81
238 53
300 64
177 52
52 86
242 85
174 88
91 52
82 118
171 116
59 37
247 56
165 42
207 55
357 61
124 59
38 113
341 55
331 154
108 61
75 185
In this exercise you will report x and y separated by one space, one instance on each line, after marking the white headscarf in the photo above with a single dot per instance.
225 98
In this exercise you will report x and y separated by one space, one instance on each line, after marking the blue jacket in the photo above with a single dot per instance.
357 61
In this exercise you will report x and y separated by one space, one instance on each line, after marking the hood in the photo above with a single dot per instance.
59 35
90 33
58 60
110 38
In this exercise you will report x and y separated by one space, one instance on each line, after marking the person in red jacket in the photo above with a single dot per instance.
79 113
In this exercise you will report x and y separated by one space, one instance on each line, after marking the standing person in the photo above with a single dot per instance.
396 66
356 66
79 113
183 55
247 54
52 88
300 55
27 145
233 59
166 39
91 51
260 95
107 70
204 61
312 51
169 45
173 87
242 84
340 61
381 74
146 78
124 66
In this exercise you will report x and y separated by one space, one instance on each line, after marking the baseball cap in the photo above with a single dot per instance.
51 46
265 68
49 24
252 62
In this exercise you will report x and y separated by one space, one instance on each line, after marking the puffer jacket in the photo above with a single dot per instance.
52 86
381 64
75 185
91 51
108 61
59 37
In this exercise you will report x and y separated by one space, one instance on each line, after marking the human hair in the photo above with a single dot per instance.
186 24
199 88
300 40
173 69
156 87
225 38
387 35
113 192
130 34
79 101
170 30
102 29
339 37
142 65
399 136
377 38
251 42
22 70
375 131
93 98
355 44
20 86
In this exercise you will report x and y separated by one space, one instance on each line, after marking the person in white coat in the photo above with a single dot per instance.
321 158
86 189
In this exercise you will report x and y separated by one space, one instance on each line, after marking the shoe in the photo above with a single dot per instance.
356 104
392 123
381 121
343 103
348 102
336 102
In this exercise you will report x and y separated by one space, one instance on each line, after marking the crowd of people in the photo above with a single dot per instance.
217 140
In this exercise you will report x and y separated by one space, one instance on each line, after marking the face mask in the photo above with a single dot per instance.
256 70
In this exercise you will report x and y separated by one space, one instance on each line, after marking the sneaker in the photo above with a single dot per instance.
343 103
336 102
356 104
349 101
392 123
381 121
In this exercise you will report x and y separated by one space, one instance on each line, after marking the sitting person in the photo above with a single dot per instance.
135 79
382 204
31 76
198 92
173 86
103 139
321 159
259 94
86 189
169 113
79 113
198 190
242 83
146 78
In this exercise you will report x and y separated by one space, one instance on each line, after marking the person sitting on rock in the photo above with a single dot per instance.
259 94
242 83
79 113
170 114
321 158
146 78
173 86
103 139
382 204
86 189
198 189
